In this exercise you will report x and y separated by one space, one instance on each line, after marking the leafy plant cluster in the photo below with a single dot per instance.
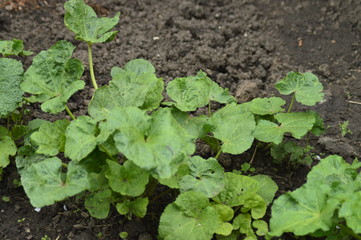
132 140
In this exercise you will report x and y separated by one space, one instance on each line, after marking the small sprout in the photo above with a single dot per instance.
123 235
344 128
6 199
246 167
21 220
46 237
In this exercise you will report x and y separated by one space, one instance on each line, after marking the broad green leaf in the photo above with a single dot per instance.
127 179
7 148
225 214
80 138
306 87
50 137
45 183
289 149
191 217
138 207
53 77
83 21
11 76
298 124
13 47
319 127
243 222
98 204
158 145
237 189
332 169
256 205
173 182
350 210
197 127
267 106
192 92
267 188
234 128
205 176
134 86
18 131
261 226
303 211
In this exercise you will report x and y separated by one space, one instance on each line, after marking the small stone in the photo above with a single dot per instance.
9 7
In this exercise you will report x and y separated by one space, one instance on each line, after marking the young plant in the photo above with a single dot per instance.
326 206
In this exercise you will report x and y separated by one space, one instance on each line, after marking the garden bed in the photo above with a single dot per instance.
246 46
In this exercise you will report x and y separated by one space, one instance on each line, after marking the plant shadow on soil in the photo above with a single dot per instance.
244 45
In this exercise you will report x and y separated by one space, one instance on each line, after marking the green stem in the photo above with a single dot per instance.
91 69
219 153
64 165
349 231
69 112
209 109
254 154
292 101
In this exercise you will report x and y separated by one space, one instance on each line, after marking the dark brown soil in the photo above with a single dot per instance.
244 45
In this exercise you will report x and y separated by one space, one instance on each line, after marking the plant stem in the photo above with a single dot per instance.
349 231
254 154
209 109
64 165
91 69
69 112
292 101
219 153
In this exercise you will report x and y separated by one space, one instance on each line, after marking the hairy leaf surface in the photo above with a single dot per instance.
127 179
13 47
50 137
83 21
298 124
158 145
192 92
234 128
190 217
45 183
206 176
306 86
80 138
134 86
11 76
54 77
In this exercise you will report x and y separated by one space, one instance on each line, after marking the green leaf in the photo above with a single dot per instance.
267 188
11 76
190 217
243 222
306 87
50 137
18 131
80 138
237 190
173 182
158 145
98 204
319 127
234 128
197 127
138 207
256 204
267 106
303 211
7 148
205 176
54 77
225 214
83 21
13 47
196 91
261 226
350 210
298 124
289 149
134 86
127 179
45 183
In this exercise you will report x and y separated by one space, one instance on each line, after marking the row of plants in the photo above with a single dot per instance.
132 141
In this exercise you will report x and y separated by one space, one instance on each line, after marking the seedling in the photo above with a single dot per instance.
344 128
